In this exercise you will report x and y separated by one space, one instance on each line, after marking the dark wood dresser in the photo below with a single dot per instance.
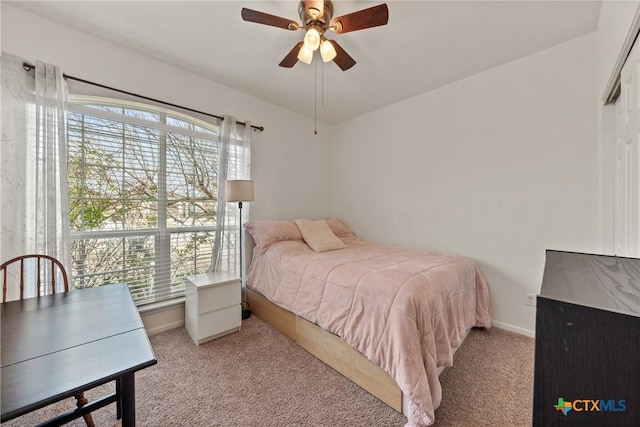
587 352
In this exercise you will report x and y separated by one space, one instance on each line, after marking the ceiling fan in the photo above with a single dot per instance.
316 21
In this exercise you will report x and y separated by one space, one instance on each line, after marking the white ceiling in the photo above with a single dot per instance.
426 44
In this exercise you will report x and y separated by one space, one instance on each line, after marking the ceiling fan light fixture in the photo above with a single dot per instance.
312 39
327 51
305 54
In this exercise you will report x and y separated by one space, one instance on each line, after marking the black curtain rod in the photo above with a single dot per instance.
29 67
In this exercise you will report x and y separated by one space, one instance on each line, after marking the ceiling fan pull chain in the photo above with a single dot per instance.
315 98
322 84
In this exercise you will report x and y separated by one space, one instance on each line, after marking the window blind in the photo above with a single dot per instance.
142 197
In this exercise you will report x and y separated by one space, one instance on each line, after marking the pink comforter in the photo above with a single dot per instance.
406 310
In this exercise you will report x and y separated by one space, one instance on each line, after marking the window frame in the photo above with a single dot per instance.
161 233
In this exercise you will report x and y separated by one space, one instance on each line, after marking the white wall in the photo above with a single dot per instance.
497 167
290 166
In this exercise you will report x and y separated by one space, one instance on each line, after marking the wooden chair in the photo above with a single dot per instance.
47 271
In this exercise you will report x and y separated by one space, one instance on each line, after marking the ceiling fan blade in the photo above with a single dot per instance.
292 57
267 19
342 59
365 18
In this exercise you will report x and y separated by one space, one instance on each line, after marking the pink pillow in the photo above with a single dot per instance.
266 233
339 229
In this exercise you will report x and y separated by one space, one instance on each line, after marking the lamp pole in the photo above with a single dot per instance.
246 313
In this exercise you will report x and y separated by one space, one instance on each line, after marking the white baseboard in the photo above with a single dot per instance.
163 317
164 327
512 328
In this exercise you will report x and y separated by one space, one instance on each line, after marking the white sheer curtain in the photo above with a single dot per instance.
235 163
33 178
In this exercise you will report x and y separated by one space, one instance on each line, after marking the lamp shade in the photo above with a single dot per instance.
312 39
327 51
305 54
239 190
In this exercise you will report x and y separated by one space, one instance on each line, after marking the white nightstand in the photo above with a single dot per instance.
213 305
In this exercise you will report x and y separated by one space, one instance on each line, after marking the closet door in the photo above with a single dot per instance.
627 191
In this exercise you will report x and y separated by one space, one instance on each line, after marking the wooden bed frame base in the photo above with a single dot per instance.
329 348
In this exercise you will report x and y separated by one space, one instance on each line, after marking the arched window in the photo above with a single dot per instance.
142 196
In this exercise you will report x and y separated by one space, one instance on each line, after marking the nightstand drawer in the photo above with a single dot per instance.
218 322
215 297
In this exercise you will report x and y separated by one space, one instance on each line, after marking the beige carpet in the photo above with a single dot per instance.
258 377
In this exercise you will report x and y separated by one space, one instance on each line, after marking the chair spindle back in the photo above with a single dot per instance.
54 267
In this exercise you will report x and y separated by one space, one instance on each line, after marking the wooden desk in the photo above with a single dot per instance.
588 341
57 345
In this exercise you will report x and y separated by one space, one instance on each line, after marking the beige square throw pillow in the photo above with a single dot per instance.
318 235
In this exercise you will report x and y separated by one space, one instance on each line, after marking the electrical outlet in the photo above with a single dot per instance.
531 300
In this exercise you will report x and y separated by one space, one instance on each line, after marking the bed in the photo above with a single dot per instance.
388 318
